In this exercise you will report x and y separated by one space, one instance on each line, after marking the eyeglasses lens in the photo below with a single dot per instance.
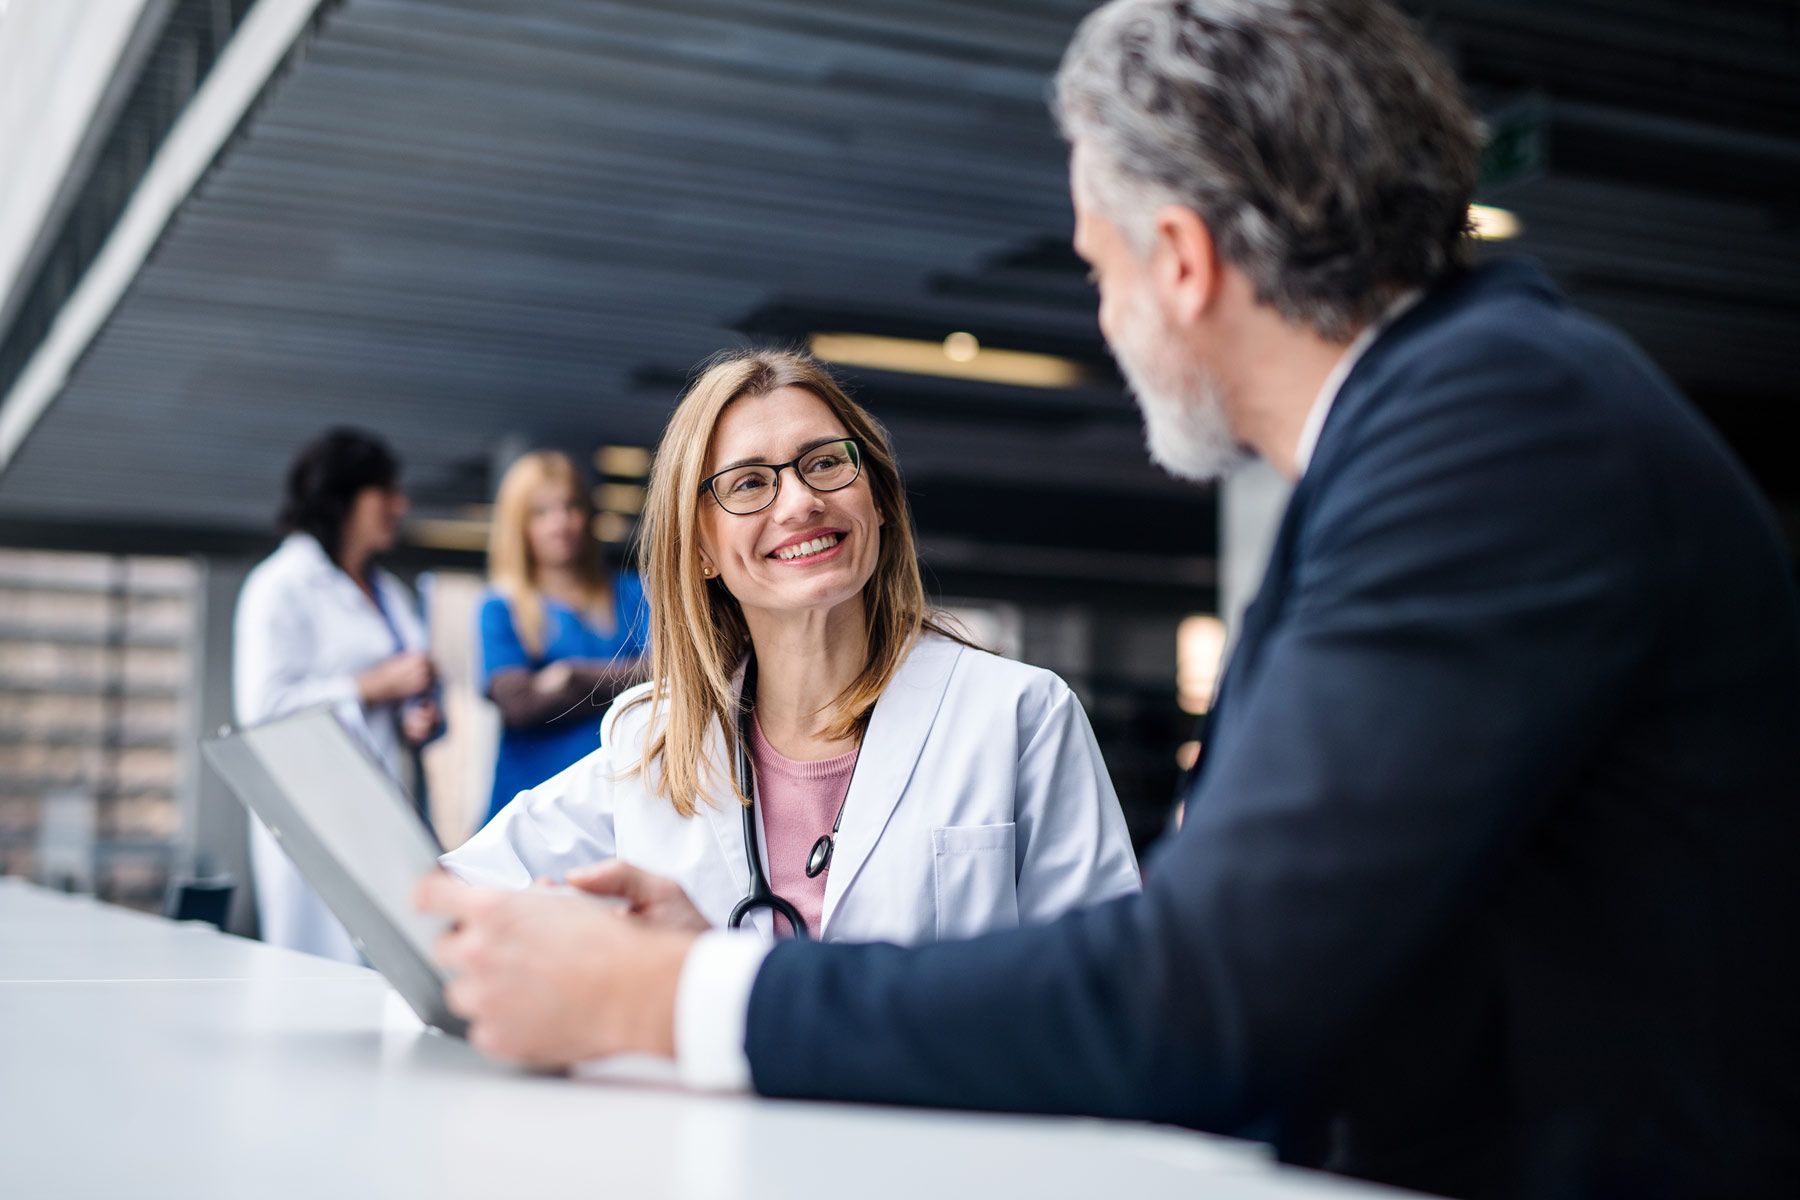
824 469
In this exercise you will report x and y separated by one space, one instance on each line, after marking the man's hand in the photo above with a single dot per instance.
656 900
549 979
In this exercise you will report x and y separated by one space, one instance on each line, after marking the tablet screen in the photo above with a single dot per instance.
352 833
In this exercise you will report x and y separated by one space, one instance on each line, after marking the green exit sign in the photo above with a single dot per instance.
1518 145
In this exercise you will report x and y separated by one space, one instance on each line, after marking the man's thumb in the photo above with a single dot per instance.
609 878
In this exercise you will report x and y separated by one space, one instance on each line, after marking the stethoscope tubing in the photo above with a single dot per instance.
761 894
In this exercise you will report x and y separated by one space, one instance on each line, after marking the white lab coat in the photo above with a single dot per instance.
980 801
303 632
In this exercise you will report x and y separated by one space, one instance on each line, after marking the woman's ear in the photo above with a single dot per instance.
703 547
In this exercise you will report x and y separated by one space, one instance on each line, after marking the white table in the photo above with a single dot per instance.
141 1058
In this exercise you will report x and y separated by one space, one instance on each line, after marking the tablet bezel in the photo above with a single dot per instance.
387 946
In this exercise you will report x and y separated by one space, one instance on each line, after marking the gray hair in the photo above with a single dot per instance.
1326 146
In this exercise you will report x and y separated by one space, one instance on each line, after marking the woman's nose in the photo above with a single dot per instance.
793 499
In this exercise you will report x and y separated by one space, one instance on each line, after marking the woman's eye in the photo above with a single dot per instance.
825 462
748 483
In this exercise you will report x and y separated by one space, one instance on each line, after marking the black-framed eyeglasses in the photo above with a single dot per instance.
751 487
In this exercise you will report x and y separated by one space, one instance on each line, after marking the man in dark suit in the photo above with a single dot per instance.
1486 881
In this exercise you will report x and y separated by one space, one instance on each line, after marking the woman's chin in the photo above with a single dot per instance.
798 597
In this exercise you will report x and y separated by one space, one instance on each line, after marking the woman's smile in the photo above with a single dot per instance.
816 546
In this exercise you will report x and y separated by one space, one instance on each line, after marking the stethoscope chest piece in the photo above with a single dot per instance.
820 858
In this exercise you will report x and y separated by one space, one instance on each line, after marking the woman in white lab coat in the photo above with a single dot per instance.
318 623
906 786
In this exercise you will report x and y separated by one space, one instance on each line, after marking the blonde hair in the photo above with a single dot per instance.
697 630
512 568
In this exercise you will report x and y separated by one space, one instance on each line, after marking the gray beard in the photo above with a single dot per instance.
1183 403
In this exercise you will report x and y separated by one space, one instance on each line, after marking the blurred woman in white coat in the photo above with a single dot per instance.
816 754
318 623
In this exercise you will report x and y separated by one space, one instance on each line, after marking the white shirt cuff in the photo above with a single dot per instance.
712 1009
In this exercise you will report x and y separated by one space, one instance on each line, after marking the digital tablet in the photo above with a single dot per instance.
352 833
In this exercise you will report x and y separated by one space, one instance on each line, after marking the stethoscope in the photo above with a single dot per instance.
818 861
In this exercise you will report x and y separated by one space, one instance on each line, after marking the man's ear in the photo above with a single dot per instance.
1184 265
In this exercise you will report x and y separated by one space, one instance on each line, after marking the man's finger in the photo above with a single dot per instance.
492 1041
442 893
443 950
609 878
464 997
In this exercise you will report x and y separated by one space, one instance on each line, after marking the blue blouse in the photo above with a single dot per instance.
530 756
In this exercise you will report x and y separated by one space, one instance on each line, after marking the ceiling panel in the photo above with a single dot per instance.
464 222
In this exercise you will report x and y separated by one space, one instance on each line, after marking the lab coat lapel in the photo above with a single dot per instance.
897 730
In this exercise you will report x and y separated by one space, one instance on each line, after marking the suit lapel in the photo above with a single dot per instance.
1258 615
896 735
1347 410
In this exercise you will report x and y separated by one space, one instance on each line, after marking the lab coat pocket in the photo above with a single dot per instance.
977 885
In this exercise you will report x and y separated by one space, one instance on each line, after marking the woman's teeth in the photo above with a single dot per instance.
815 546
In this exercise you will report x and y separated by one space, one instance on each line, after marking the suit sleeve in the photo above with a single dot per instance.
1461 626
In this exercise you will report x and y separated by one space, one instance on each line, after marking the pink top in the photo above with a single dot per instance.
798 802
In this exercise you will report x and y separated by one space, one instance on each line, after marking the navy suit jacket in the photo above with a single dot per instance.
1487 881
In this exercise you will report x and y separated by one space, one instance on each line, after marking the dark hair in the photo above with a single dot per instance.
326 478
1325 143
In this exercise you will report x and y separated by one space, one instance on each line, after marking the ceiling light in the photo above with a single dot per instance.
947 358
447 533
1199 655
961 347
628 462
1494 224
611 528
619 498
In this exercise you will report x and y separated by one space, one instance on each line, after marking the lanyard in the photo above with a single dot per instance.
387 618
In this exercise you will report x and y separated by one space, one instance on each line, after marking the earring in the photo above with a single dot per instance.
706 570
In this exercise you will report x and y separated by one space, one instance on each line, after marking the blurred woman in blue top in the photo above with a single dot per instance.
560 635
